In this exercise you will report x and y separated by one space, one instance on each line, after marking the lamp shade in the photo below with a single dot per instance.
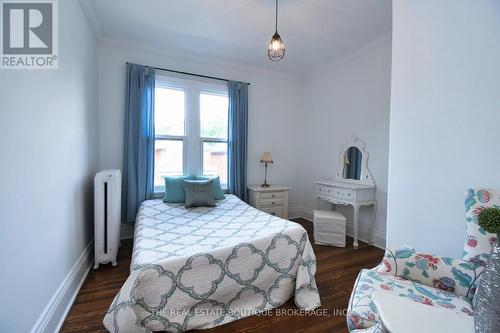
266 158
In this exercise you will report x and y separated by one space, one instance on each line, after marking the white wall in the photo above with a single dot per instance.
274 112
48 156
349 97
445 116
54 140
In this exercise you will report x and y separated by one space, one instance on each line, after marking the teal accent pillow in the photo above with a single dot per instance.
218 192
174 189
199 193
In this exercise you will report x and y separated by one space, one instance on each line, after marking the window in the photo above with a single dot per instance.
169 133
213 125
191 125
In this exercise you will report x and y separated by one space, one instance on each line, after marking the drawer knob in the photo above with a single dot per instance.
273 202
273 195
273 213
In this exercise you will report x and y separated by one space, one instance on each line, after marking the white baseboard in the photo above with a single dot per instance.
363 231
52 317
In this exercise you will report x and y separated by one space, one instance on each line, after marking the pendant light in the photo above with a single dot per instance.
276 49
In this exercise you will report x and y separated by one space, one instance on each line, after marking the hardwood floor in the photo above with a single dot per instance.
337 269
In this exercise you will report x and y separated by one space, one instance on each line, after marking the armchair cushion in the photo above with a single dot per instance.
478 242
448 274
362 313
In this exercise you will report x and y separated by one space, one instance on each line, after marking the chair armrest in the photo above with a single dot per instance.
457 276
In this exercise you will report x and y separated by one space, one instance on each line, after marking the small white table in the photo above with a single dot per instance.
401 315
272 200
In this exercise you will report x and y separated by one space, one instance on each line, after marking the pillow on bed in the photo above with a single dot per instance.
174 190
199 193
218 192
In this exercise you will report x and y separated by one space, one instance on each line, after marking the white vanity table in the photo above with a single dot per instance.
353 184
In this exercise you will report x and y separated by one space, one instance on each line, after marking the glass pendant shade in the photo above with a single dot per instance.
276 49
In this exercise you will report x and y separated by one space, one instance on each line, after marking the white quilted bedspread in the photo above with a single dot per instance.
203 267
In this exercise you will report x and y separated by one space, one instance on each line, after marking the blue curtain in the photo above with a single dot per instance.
237 138
138 157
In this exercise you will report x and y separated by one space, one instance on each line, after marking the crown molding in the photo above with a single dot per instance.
89 10
377 42
196 58
90 13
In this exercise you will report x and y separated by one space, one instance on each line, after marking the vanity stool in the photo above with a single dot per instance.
329 228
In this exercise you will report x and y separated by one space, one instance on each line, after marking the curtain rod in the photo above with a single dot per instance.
191 74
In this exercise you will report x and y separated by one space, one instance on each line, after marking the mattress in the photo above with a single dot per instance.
203 267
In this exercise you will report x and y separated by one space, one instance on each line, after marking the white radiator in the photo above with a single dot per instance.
107 216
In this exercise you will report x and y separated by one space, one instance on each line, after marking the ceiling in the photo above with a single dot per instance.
315 32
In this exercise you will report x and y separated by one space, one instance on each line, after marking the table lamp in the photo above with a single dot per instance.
266 158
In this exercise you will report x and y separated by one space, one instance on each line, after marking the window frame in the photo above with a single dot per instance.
192 141
176 84
213 139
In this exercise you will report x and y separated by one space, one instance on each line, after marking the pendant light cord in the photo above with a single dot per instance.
276 25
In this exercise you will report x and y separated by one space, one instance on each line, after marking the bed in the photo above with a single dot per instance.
203 267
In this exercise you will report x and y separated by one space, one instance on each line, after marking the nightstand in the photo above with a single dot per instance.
272 200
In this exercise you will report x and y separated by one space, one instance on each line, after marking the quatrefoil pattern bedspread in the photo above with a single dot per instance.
203 267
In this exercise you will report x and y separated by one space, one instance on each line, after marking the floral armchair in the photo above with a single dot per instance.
432 280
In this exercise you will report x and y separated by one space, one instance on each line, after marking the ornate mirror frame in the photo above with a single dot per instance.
366 176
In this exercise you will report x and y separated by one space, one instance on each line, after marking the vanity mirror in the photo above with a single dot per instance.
353 163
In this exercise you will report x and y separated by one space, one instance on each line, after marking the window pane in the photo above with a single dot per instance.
213 115
169 111
168 160
215 160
